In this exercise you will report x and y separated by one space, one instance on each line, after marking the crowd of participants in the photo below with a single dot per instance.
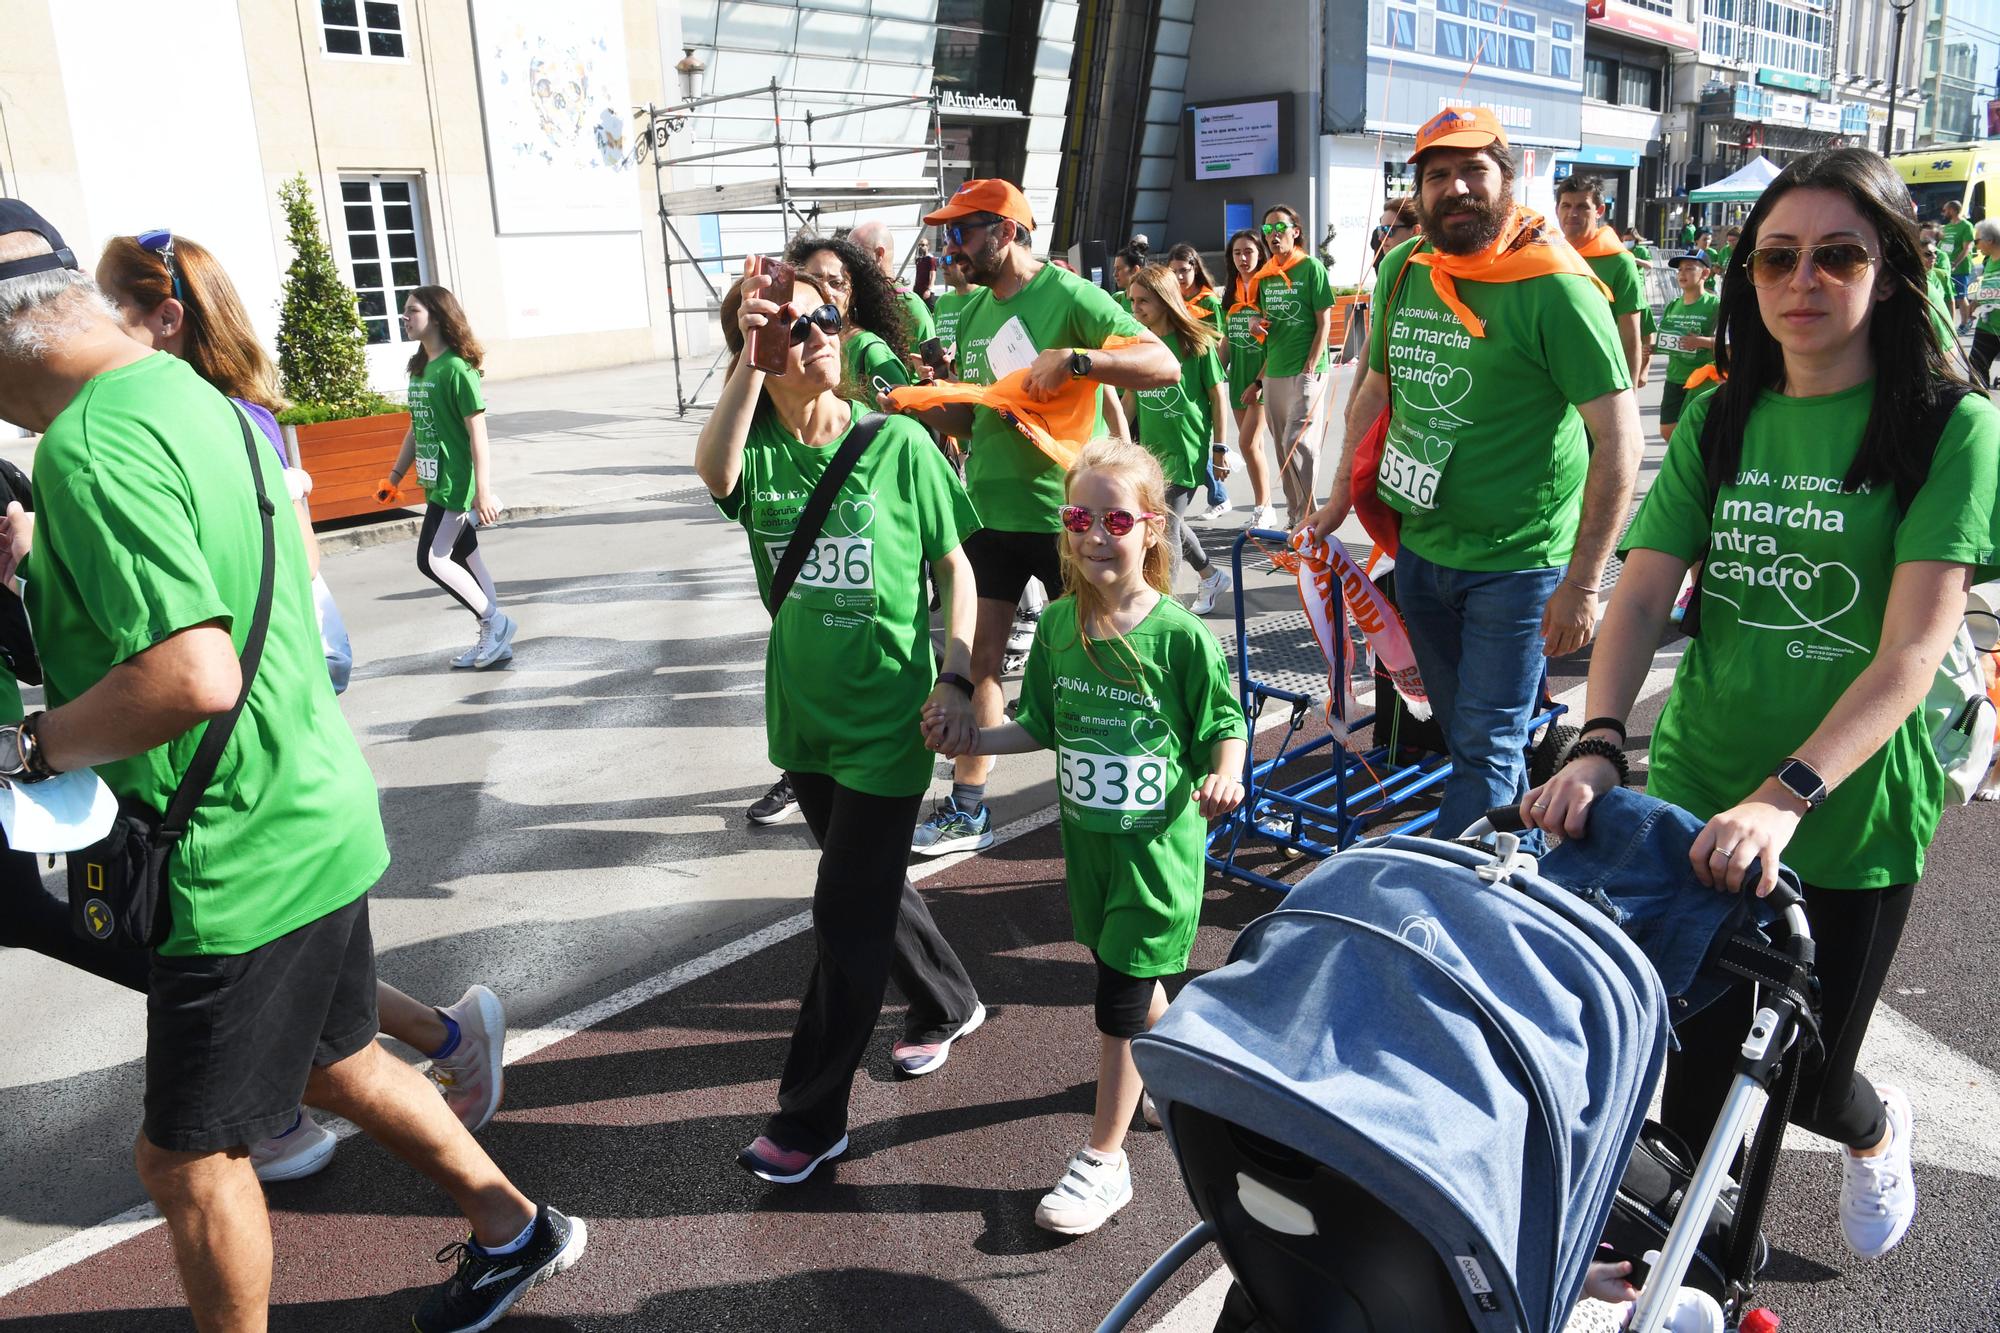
898 536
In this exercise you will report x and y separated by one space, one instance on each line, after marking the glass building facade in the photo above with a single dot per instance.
1960 69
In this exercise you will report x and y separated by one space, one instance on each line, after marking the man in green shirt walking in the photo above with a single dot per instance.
143 584
1580 211
1024 314
1955 246
1494 352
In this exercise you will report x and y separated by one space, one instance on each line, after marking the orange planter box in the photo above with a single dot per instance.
348 460
1343 310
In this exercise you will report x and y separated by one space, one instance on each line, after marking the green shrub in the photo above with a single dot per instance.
369 404
322 347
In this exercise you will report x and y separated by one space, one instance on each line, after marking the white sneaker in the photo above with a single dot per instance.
1216 511
1264 516
1217 583
472 1078
496 640
301 1151
471 655
1090 1191
1878 1196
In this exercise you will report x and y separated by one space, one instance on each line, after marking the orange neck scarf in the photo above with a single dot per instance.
1196 297
1246 293
1602 243
1527 247
1275 268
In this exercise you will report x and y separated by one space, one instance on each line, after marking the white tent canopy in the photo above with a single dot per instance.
1741 186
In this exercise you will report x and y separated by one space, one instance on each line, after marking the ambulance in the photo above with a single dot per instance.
1950 171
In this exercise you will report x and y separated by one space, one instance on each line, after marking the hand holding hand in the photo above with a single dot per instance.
1218 794
948 723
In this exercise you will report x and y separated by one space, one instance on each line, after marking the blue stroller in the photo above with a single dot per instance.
1410 1098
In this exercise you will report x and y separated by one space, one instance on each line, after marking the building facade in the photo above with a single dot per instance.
1960 71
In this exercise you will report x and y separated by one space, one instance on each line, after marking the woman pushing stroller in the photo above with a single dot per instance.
1840 486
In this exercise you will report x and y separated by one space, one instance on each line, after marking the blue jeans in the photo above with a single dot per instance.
1478 642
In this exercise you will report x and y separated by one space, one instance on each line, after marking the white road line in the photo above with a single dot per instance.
80 1245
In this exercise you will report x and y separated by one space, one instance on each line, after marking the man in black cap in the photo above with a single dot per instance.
148 569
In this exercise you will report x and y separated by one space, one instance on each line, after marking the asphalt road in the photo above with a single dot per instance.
568 831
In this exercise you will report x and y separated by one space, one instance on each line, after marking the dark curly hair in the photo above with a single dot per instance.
872 306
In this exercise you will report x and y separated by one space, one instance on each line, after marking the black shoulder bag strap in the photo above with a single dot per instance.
201 769
817 508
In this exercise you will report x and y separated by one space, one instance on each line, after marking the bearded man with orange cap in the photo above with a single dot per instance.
1493 351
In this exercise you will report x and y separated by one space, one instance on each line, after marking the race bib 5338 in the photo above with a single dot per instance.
1112 783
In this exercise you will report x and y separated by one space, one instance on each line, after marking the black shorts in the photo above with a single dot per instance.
231 1038
1672 398
1003 562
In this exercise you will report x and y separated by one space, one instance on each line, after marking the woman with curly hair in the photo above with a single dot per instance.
874 337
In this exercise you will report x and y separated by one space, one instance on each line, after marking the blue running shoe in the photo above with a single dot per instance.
950 829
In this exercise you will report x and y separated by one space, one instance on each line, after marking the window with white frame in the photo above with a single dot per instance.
1562 50
1487 36
387 257
362 28
1402 27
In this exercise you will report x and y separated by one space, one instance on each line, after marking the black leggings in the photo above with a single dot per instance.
1855 933
1984 347
30 918
448 555
869 926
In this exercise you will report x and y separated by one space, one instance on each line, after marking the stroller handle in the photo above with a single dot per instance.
1784 899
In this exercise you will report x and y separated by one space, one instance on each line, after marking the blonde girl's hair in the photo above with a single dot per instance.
1195 334
217 339
1141 473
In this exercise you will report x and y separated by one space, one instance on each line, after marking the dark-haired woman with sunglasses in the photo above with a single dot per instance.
1839 545
874 329
848 674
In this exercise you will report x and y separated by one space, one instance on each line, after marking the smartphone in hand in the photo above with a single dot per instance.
932 351
770 346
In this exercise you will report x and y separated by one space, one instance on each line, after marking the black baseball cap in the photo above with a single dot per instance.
1689 257
17 216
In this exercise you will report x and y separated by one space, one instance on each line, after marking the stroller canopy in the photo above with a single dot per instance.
1477 1056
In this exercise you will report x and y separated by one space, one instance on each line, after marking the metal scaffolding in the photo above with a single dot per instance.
796 191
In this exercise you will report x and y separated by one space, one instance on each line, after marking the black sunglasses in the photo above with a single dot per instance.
160 241
1840 262
827 317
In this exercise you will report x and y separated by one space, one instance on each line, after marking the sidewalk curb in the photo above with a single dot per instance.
402 529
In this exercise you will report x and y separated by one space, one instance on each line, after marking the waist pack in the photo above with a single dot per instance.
118 885
1650 1197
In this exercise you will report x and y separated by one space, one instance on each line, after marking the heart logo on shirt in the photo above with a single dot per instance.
1152 733
857 516
1825 581
1449 389
1430 449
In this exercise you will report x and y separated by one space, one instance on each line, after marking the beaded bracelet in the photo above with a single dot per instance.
1603 749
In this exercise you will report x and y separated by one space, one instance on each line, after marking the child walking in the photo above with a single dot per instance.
1133 694
447 441
1178 423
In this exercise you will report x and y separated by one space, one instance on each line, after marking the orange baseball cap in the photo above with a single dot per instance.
1459 127
998 197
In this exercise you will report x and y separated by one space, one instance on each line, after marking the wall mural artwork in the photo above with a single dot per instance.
557 102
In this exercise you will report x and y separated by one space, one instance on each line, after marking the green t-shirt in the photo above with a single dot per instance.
146 526
1984 294
1619 272
1794 590
1648 325
917 315
1293 309
1681 320
1493 417
1718 259
1133 727
1688 233
1124 300
1176 422
1642 253
1016 486
1939 300
1955 240
849 661
1246 352
440 400
945 317
1208 306
11 706
865 356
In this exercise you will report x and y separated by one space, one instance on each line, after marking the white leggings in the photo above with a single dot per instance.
448 555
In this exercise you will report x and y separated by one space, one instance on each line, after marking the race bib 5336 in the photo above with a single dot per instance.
842 564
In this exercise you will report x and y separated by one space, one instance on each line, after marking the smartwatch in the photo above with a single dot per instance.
1079 364
951 678
1799 778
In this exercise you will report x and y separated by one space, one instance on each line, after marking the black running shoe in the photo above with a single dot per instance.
775 804
485 1286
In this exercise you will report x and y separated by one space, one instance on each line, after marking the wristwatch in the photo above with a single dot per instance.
20 757
1799 778
1079 364
955 680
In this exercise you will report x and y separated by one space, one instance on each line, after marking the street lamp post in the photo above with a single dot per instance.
1902 8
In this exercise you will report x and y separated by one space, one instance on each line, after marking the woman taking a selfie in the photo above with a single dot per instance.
848 673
